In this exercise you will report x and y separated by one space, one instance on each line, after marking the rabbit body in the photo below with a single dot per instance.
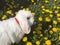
12 31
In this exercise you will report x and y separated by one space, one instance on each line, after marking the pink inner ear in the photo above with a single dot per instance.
24 25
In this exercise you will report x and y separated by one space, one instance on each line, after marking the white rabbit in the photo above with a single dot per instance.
12 30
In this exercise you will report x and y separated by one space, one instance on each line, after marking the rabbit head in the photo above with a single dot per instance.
26 20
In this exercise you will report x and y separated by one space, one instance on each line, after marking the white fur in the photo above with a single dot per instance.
11 31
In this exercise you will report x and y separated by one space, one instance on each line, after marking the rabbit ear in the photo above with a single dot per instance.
25 26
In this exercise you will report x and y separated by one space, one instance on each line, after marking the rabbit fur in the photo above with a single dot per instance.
11 32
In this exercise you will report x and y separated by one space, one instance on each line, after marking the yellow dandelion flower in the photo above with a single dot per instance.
50 11
46 1
32 0
58 7
59 33
47 10
40 19
51 32
59 37
51 15
58 29
48 42
43 6
21 6
43 9
43 12
24 39
54 29
41 35
47 19
34 32
56 11
34 3
55 6
38 42
58 14
9 12
33 13
27 9
12 14
54 22
58 18
50 26
29 43
55 0
45 38
4 17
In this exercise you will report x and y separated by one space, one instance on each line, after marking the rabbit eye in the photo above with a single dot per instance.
28 18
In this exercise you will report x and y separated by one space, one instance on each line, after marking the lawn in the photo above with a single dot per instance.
46 31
